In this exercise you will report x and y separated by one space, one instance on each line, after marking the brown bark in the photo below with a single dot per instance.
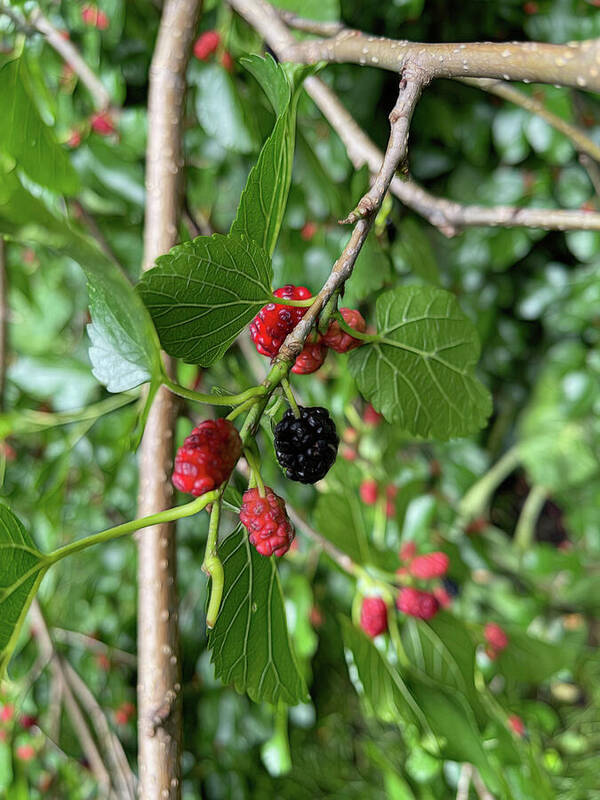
159 672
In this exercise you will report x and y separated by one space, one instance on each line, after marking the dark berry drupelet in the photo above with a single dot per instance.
273 322
306 447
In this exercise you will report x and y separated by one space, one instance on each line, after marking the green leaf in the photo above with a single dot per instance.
381 686
125 350
22 568
262 204
529 660
340 516
412 251
272 79
250 644
219 109
419 373
202 294
25 137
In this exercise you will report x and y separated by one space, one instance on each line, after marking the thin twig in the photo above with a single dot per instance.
341 559
82 731
78 639
310 25
581 141
448 216
464 782
120 769
396 152
480 787
18 21
65 48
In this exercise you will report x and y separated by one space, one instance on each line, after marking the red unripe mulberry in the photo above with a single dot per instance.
373 616
416 603
340 341
267 522
368 492
430 565
206 45
273 322
495 636
207 457
310 359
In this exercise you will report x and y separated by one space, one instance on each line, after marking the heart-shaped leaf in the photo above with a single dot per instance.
419 373
250 644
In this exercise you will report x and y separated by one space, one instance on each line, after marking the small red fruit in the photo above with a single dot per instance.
124 713
495 636
368 491
339 340
308 230
516 724
273 322
372 417
408 551
103 662
416 603
442 596
530 8
94 17
348 454
207 457
373 616
227 61
25 752
74 139
102 123
430 565
206 45
7 712
27 721
310 359
390 509
265 518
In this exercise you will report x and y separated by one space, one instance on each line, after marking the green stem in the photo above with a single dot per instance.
396 638
213 399
169 515
212 565
379 522
32 421
530 512
476 500
241 409
290 396
285 301
328 312
364 337
255 470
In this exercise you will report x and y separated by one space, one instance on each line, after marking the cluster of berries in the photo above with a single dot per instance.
410 601
25 751
94 17
306 448
370 492
207 44
274 322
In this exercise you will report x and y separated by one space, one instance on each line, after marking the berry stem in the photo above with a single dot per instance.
364 337
476 500
290 396
286 301
328 312
242 408
255 471
397 640
169 515
212 565
532 508
213 399
379 522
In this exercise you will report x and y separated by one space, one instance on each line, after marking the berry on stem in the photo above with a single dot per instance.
371 417
310 359
373 616
495 636
340 341
273 322
516 724
430 565
306 446
415 603
206 44
368 491
267 522
94 17
102 123
207 457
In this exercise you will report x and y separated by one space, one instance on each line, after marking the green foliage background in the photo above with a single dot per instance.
532 297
